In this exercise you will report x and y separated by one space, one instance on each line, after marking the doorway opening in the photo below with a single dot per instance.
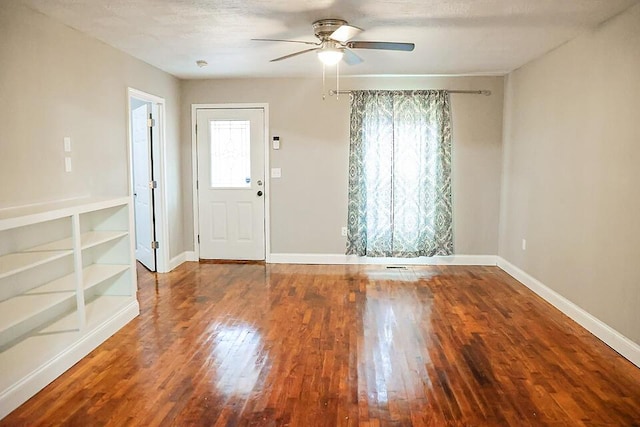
147 183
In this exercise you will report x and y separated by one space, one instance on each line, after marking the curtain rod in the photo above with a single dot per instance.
470 92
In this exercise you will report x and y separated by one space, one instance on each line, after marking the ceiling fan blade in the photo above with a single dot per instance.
288 41
408 47
351 58
294 54
345 33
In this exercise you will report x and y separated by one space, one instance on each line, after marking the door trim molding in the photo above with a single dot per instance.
159 171
194 170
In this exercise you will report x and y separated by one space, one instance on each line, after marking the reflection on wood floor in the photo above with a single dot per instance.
300 345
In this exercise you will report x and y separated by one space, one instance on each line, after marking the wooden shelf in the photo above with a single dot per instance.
95 238
102 308
98 310
50 342
38 349
21 308
87 240
58 245
20 261
97 273
46 329
24 215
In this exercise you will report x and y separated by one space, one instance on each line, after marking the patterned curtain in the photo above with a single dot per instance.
400 174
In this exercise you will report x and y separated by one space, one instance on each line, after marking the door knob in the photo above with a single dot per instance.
259 193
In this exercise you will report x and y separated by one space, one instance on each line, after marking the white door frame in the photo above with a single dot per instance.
159 173
194 169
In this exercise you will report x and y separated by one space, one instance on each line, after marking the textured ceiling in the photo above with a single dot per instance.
451 36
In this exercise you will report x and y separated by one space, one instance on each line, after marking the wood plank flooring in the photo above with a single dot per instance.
299 345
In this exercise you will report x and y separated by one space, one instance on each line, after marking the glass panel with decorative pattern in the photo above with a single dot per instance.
230 154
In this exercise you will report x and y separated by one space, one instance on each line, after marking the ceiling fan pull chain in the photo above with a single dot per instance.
324 94
337 80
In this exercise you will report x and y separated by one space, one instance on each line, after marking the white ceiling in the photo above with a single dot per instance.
451 36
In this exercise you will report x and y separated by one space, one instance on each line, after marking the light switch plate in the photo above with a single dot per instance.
276 172
67 144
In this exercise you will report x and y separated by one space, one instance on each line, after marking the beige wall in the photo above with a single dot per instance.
57 82
309 202
569 169
571 176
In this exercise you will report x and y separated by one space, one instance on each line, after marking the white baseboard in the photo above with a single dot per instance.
183 257
40 377
614 339
339 259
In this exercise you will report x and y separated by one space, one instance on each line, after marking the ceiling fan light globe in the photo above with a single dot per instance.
330 56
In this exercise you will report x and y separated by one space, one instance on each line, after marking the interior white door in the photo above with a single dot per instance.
230 151
142 191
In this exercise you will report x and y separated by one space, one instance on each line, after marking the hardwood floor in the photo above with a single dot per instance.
267 345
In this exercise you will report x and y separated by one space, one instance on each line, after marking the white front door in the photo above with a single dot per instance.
143 193
230 150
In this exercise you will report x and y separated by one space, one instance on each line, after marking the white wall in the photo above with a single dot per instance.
571 177
57 82
309 202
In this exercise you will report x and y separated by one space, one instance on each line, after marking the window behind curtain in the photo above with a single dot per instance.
400 174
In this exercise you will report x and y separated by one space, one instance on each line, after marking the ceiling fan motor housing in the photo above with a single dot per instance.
323 28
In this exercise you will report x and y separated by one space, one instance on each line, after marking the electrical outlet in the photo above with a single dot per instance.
344 231
524 244
67 164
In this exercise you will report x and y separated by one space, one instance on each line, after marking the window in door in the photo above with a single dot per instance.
230 153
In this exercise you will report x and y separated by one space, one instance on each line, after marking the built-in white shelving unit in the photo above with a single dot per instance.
67 283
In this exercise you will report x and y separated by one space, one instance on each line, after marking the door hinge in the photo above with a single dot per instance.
198 239
197 184
153 184
155 245
151 122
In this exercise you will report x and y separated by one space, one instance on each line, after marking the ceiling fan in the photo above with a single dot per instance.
335 43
